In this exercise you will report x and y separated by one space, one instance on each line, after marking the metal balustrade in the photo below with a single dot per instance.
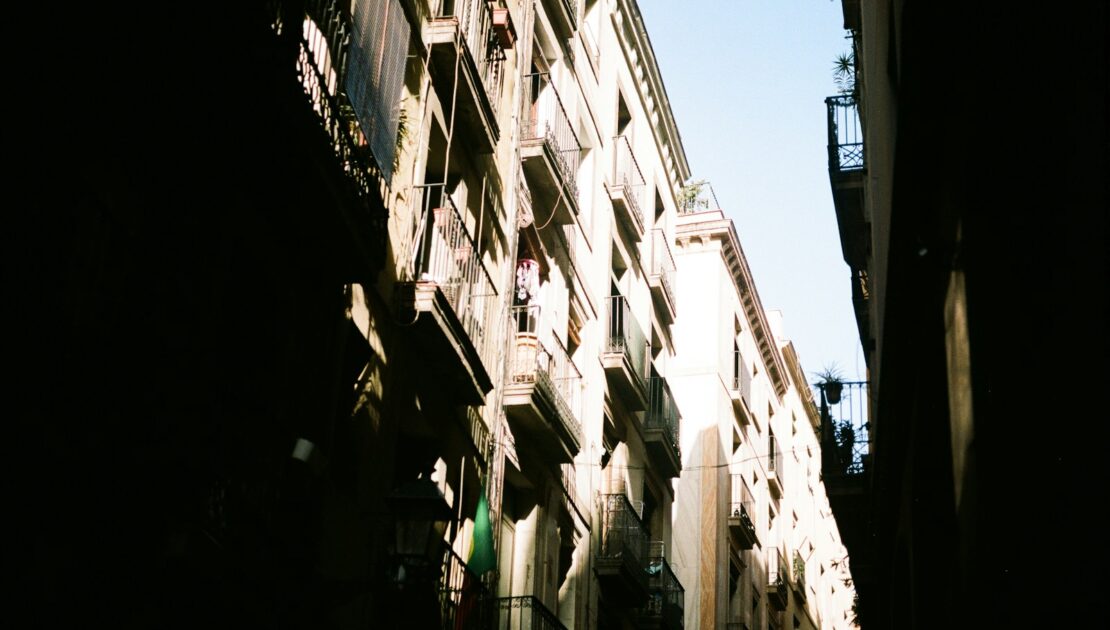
845 428
446 253
625 336
622 531
475 20
547 364
666 596
741 377
464 600
662 263
545 118
743 503
627 175
845 135
662 412
525 612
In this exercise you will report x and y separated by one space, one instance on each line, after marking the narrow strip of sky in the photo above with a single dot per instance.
747 81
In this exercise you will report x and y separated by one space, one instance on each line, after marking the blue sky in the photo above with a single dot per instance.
747 81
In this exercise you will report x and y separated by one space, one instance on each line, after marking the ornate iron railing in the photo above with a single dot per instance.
627 175
323 31
525 612
464 601
845 135
622 531
662 411
845 428
447 254
743 503
545 118
476 27
662 262
547 364
625 336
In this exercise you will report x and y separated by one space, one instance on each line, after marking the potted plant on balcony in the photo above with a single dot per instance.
831 381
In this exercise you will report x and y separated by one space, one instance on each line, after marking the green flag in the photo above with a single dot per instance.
482 559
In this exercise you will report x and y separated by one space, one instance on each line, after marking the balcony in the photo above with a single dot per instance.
467 68
550 151
799 581
775 467
329 52
525 612
563 15
847 170
666 597
449 299
625 353
776 579
621 562
740 389
741 525
628 188
661 428
544 390
464 601
661 276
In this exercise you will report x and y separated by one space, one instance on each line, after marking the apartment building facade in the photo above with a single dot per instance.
755 542
967 267
413 266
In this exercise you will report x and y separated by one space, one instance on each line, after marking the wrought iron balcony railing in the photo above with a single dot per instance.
625 336
741 377
547 364
464 600
525 612
774 458
662 263
545 118
776 567
845 428
799 574
622 532
445 253
666 596
662 412
743 503
475 20
845 135
627 175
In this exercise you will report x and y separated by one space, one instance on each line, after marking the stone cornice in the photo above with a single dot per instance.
629 26
714 225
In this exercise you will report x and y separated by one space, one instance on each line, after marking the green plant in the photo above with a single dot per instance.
844 74
690 192
829 374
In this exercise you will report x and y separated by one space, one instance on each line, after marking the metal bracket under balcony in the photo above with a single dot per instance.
540 397
661 428
451 57
741 526
621 561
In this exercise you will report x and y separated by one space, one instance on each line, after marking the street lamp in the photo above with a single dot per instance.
421 518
